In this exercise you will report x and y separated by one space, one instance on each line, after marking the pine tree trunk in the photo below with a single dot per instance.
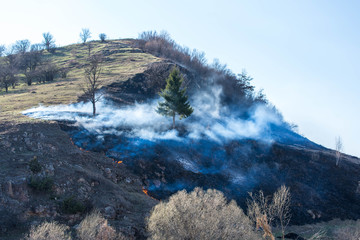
174 121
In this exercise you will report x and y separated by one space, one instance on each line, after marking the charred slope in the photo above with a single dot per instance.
226 144
320 190
91 178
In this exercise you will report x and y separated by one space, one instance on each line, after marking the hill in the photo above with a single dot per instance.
91 178
235 141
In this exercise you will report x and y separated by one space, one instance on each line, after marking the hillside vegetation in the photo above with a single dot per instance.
121 61
43 175
62 171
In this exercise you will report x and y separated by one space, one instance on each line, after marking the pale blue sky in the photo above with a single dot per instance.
305 54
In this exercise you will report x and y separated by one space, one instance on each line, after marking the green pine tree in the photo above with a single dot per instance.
176 102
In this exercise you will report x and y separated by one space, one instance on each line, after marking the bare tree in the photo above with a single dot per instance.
102 37
92 81
21 46
47 72
281 207
48 41
338 149
7 75
29 61
2 50
85 35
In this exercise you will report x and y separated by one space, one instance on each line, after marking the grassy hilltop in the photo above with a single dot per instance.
121 61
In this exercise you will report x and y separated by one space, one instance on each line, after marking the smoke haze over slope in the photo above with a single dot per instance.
210 120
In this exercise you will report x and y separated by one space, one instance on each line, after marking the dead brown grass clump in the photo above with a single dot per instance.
49 231
199 215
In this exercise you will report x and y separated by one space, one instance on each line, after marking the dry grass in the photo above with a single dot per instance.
95 227
334 229
349 232
121 62
199 215
49 231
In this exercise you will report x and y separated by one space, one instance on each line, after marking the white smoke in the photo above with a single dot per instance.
210 119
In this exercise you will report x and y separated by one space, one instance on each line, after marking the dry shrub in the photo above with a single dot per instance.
49 231
260 212
235 87
348 232
199 215
95 227
267 211
281 207
338 149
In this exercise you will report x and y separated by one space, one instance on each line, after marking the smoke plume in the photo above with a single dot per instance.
210 120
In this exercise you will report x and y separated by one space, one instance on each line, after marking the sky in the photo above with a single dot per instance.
304 54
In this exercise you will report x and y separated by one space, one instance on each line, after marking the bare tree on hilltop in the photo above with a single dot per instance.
92 80
48 42
21 46
85 35
2 50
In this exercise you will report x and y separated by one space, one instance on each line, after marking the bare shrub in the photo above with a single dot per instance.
236 88
260 212
266 211
338 149
199 215
49 231
64 72
95 227
47 72
102 37
281 207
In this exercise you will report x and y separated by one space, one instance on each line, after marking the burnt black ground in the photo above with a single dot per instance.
320 190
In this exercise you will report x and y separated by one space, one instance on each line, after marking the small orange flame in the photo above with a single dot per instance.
145 191
72 142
